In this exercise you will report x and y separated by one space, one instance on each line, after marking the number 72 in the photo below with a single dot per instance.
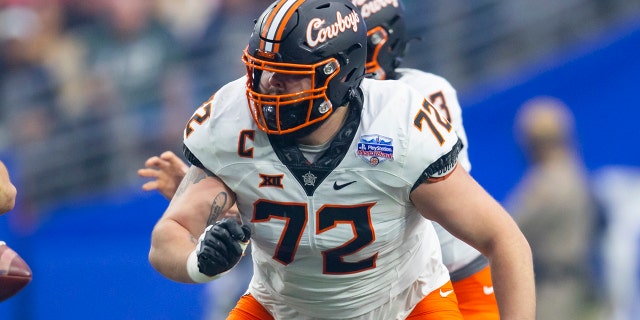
329 216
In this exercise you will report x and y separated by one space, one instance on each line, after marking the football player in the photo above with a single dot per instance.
386 46
387 40
332 184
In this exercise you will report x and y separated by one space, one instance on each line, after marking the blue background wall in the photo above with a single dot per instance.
90 260
599 81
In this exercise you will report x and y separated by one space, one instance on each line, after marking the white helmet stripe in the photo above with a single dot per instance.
275 25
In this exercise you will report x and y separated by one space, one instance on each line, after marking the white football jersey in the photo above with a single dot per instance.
339 238
456 254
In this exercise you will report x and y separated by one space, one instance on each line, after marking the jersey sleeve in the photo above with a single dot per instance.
195 134
444 97
450 103
211 134
432 134
426 145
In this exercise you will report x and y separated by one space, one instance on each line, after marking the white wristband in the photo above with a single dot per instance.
244 246
194 272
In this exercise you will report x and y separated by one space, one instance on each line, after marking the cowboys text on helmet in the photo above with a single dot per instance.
323 33
369 7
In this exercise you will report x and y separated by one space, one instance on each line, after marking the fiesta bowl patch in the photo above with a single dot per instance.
375 149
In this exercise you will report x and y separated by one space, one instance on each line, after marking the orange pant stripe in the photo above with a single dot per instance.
475 296
441 304
248 308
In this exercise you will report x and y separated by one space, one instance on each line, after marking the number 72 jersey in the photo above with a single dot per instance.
339 236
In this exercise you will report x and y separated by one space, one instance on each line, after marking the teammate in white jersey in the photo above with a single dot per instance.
333 186
386 46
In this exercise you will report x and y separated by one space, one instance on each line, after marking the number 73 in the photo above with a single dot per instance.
431 116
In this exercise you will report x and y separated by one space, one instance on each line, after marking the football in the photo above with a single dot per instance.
15 274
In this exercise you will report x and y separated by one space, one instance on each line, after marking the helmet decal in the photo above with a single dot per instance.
369 7
342 24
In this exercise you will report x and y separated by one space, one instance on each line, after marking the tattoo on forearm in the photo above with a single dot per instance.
216 208
192 239
192 177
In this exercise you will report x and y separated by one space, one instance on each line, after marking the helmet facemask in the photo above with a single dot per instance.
376 39
282 113
386 37
319 43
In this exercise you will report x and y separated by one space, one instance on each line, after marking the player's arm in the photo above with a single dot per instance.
8 191
199 201
466 210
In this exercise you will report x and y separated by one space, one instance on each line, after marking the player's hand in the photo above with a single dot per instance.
219 248
167 170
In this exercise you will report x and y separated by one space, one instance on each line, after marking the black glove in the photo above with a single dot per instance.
219 249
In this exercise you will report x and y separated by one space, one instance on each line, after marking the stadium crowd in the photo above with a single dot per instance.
90 88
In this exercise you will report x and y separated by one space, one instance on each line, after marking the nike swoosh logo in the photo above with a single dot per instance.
487 290
444 294
337 186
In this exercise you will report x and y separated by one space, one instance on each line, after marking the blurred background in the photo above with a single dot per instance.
89 89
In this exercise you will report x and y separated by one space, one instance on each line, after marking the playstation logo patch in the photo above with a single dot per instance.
375 149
